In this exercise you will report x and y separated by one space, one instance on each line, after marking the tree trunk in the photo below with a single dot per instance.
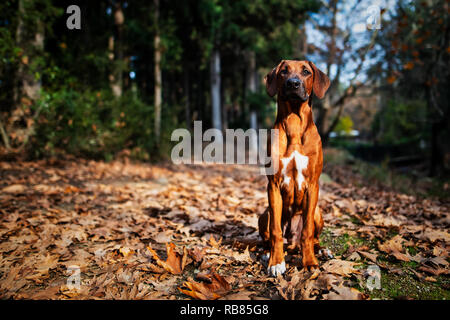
215 90
32 44
322 115
30 39
115 47
158 77
252 82
187 99
324 109
224 93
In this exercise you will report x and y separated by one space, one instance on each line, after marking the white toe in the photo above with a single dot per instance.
277 269
326 253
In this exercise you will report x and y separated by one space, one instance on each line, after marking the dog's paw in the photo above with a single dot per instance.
277 269
325 254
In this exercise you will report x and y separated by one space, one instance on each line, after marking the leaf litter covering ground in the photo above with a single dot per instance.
138 231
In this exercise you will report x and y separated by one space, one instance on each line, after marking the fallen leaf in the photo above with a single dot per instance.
47 294
241 257
216 289
175 262
440 252
433 235
340 267
371 256
434 271
125 251
354 257
241 295
395 248
344 293
197 254
438 261
214 243
14 189
71 189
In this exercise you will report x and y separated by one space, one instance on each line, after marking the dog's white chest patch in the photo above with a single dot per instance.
301 163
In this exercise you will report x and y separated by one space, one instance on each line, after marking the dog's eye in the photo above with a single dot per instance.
284 71
306 72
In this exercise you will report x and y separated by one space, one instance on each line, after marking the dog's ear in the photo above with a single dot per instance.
271 82
321 81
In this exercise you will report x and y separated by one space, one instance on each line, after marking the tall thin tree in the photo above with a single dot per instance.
115 47
158 77
215 89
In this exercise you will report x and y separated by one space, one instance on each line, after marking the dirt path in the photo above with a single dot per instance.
137 231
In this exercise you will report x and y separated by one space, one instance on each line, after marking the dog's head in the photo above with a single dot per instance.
295 80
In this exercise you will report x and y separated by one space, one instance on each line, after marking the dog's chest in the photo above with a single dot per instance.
292 169
294 163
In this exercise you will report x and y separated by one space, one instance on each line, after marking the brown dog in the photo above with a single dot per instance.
293 190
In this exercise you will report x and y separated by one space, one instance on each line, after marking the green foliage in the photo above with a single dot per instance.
8 61
344 125
258 99
413 65
8 51
400 122
337 156
93 124
77 112
383 175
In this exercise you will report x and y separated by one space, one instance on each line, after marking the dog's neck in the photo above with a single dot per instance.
300 108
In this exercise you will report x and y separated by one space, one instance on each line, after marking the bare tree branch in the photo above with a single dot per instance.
352 88
4 135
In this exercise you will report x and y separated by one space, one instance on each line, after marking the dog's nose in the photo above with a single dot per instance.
293 83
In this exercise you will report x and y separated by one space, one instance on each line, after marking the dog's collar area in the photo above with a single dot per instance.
294 101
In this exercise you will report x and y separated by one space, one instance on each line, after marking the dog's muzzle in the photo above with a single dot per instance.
294 89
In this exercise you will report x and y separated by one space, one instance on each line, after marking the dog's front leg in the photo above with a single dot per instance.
276 261
309 260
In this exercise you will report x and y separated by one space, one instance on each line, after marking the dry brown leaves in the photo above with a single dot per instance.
420 226
214 287
137 231
326 283
175 262
340 267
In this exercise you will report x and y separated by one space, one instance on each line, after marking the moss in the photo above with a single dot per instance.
410 264
383 175
404 286
393 286
339 244
356 221
412 250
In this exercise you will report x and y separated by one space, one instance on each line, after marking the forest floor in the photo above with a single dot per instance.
139 231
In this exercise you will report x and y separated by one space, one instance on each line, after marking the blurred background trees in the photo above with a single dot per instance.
138 69
413 72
